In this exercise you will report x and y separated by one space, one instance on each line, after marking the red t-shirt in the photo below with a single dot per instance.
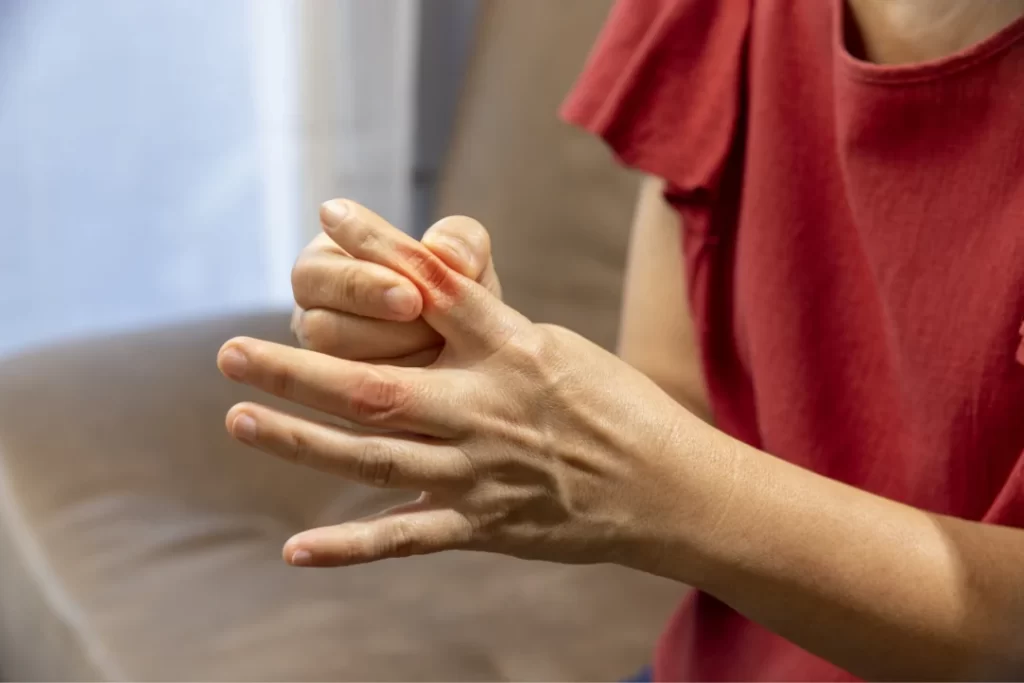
854 249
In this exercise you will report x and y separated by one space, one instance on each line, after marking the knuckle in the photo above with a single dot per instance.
304 276
282 382
467 469
401 540
299 274
331 280
433 273
352 290
363 544
317 330
528 348
535 351
376 466
299 450
363 236
376 397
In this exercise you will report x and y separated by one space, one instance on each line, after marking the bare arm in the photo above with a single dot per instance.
881 589
579 458
657 335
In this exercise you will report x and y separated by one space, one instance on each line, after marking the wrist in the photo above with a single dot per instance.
705 478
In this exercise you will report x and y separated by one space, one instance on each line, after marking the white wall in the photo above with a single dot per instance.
164 159
359 103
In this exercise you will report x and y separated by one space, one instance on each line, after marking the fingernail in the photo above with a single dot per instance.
232 363
333 213
400 300
302 558
244 428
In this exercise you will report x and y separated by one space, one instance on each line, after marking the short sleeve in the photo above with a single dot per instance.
1008 508
662 86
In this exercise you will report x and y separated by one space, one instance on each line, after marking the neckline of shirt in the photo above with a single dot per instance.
870 72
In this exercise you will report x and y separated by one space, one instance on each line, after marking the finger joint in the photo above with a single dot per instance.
299 448
402 541
376 465
378 399
283 383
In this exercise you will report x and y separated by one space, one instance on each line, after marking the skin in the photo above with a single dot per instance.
344 305
656 334
528 440
907 31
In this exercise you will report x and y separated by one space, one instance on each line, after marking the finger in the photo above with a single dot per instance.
383 397
367 236
462 243
418 359
417 532
462 311
322 244
465 246
342 283
357 338
469 316
372 459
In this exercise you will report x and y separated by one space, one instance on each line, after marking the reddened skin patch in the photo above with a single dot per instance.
438 284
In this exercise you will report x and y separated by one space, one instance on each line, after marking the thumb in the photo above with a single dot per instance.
462 243
464 305
468 314
465 312
465 246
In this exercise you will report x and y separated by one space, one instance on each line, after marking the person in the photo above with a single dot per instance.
817 419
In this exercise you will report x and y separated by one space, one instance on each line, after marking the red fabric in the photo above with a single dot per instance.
854 245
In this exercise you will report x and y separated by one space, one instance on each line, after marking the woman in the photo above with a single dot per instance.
825 440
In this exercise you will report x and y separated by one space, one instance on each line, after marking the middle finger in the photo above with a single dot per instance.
407 399
342 283
357 338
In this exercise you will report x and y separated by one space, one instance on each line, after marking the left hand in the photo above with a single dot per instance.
526 439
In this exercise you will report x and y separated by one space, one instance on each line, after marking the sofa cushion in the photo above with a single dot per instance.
137 541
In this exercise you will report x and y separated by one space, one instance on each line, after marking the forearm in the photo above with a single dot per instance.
657 335
878 588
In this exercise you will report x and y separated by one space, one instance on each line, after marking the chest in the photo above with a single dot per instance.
878 284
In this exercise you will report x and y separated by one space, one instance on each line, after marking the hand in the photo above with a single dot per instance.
356 309
526 439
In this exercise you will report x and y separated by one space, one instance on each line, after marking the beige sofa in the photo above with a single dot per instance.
137 542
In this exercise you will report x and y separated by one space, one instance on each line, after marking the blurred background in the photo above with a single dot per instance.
163 159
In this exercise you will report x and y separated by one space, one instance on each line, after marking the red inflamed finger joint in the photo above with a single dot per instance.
438 283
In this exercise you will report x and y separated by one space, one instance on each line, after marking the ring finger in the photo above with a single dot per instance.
372 459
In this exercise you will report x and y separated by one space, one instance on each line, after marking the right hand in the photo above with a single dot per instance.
342 308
